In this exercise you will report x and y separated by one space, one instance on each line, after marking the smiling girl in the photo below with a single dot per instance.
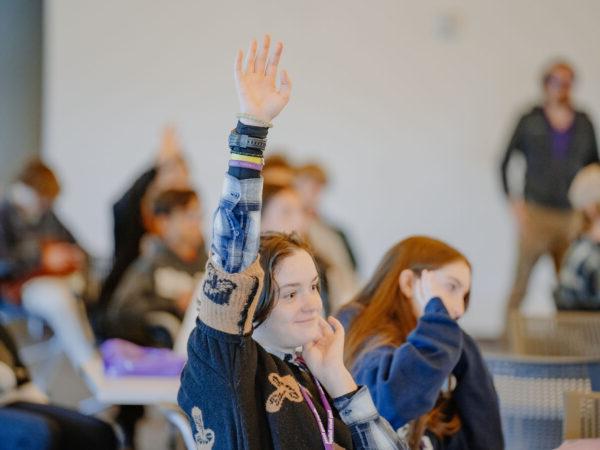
246 385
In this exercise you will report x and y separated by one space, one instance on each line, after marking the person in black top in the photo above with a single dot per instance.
132 215
556 141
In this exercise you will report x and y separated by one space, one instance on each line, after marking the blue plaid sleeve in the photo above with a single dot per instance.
369 430
236 224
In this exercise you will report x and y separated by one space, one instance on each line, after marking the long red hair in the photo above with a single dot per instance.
386 317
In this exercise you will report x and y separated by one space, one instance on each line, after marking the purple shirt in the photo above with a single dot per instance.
561 140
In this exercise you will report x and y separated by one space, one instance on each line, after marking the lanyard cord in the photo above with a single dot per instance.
326 437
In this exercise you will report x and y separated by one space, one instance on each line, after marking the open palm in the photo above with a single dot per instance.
256 84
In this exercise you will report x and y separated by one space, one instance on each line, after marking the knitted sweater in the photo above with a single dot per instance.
249 398
237 394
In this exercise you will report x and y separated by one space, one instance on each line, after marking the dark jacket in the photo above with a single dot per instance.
128 232
548 177
21 240
153 283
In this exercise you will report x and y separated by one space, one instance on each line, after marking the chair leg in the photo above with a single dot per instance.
180 421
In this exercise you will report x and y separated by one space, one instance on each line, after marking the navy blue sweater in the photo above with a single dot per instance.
405 381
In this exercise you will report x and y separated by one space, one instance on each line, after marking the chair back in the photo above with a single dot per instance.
531 392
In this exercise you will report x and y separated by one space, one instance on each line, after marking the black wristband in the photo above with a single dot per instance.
246 141
242 173
250 130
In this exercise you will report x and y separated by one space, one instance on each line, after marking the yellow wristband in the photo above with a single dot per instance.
250 159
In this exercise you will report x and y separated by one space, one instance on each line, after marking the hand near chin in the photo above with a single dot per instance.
325 358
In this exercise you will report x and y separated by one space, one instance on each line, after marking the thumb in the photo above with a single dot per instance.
285 88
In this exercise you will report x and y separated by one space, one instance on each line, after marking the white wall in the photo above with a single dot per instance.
410 117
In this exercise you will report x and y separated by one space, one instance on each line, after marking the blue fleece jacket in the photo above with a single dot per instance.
405 381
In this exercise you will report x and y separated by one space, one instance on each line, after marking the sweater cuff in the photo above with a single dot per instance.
436 306
357 408
228 300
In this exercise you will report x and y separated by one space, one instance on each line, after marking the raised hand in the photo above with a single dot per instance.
170 146
257 82
325 359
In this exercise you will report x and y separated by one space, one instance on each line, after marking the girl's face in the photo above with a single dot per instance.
294 320
451 282
284 213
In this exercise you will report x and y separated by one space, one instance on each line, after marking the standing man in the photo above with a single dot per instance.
556 141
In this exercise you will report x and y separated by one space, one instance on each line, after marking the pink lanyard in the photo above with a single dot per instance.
327 438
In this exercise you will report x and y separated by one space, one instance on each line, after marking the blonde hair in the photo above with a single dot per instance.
585 188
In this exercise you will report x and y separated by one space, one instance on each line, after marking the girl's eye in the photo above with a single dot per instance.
315 287
290 295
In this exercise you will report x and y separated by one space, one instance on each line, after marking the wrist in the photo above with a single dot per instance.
256 120
252 130
338 382
251 122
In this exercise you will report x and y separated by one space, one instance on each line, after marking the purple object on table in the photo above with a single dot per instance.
123 358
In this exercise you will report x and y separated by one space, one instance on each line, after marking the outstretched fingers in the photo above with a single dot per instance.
261 60
251 63
274 60
238 65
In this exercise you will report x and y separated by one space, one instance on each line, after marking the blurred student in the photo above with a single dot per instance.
41 264
28 422
579 278
132 213
157 289
327 239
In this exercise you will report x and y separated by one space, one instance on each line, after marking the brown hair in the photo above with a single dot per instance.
386 317
557 64
278 170
172 199
314 171
274 248
40 178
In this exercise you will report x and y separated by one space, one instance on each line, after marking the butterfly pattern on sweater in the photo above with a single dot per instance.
217 289
204 437
286 387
